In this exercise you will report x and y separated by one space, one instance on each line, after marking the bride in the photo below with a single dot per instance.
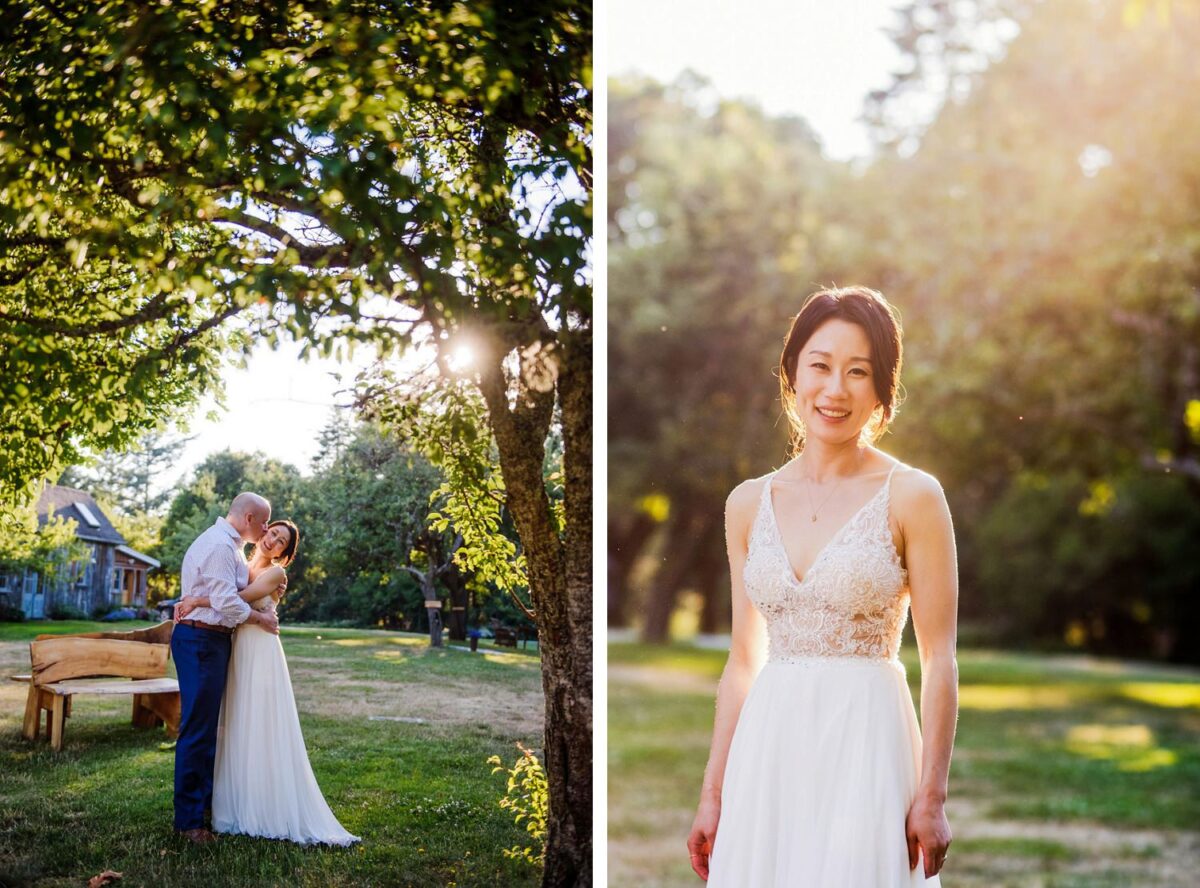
816 774
263 784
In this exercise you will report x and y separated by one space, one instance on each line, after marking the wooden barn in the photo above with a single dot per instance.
113 574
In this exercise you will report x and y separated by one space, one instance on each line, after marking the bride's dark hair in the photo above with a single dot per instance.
879 320
288 555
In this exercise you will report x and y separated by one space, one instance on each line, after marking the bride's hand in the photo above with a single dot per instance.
703 834
183 608
926 827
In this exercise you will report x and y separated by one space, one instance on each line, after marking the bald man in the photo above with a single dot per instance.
214 566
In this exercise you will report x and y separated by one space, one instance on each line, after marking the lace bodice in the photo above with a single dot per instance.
266 603
853 602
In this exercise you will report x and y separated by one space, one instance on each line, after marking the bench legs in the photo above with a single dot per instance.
151 710
33 714
38 701
58 717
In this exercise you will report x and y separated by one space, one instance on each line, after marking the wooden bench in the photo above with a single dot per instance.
66 665
506 637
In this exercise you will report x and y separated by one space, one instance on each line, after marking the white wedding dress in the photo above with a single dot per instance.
825 760
263 784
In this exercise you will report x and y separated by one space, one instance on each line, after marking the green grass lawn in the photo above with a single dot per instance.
420 794
1068 771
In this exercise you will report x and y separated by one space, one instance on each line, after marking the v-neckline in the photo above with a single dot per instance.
791 571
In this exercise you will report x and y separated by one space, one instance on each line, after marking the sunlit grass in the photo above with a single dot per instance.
995 698
1175 696
420 792
1131 747
1048 748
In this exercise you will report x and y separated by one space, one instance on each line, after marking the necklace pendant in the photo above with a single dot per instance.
814 518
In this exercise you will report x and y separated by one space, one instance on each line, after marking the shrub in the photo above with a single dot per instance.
528 797
64 612
10 614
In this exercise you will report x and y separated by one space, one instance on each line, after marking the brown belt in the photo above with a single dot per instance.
196 624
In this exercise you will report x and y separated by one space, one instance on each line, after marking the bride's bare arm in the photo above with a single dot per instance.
933 582
263 585
747 652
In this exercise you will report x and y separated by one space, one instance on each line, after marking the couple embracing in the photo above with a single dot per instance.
240 752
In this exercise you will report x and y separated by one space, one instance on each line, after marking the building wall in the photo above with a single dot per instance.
97 592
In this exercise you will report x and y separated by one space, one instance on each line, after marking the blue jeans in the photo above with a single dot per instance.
201 660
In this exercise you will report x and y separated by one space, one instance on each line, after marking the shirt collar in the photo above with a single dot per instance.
229 529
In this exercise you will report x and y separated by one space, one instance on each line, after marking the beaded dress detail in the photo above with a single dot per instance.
826 756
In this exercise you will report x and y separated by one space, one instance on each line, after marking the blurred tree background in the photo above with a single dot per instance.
1034 212
362 509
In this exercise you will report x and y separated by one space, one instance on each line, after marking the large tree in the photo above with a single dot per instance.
178 180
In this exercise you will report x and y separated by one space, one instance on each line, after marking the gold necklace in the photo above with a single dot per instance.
808 493
824 501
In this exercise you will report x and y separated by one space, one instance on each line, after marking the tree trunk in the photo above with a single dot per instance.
456 584
626 540
560 584
685 538
435 625
428 581
711 570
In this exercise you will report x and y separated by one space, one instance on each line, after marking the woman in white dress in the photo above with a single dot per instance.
817 775
263 784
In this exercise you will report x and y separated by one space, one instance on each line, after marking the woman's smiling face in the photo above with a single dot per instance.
275 540
835 385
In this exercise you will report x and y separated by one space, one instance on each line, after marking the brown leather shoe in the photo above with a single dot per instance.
199 836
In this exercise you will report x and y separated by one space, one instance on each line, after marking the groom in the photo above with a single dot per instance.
215 565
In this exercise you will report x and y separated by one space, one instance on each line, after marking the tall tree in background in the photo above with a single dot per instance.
177 181
707 210
130 479
1037 230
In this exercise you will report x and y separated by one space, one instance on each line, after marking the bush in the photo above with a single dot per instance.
119 614
64 612
526 795
10 614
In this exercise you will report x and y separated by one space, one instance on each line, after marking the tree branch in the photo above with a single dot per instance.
156 309
333 255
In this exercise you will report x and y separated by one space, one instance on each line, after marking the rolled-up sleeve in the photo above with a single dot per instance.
218 576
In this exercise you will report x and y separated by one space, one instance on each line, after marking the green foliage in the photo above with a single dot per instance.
125 482
10 614
446 419
50 549
158 163
1038 235
364 508
61 611
1095 565
212 487
526 795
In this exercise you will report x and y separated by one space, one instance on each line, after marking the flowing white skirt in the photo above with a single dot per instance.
823 767
263 784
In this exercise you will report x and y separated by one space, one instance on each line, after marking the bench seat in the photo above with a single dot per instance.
66 666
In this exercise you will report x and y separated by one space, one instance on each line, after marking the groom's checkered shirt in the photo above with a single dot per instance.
215 566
